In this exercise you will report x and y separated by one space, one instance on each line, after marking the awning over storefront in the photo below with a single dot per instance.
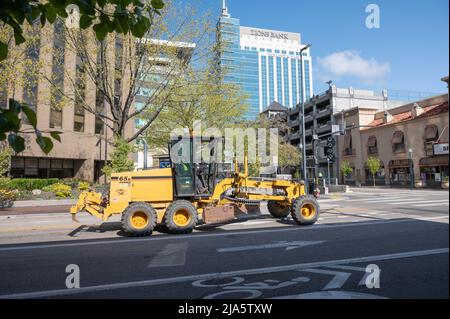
431 133
400 163
372 142
441 160
398 138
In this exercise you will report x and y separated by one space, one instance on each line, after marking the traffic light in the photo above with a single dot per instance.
329 149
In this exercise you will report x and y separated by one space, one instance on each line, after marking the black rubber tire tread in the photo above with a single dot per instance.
296 210
143 207
168 217
274 209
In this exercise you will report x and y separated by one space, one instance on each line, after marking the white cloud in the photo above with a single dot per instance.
350 63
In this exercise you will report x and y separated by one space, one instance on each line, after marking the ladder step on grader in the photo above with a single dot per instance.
185 194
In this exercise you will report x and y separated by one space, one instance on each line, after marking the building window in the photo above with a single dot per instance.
398 142
30 88
99 97
59 48
80 94
33 167
372 145
348 144
99 109
430 138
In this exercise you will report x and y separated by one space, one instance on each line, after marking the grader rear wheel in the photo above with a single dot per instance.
278 210
305 210
139 219
181 217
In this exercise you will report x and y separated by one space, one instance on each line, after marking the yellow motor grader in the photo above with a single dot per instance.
179 196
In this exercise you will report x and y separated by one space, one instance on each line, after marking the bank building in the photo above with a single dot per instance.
266 63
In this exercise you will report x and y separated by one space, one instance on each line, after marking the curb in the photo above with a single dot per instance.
44 203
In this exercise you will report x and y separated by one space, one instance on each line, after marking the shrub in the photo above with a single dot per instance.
83 186
59 189
30 184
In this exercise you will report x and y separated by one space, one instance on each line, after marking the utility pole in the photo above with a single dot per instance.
305 176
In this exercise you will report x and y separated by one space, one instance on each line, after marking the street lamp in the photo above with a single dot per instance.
410 152
305 177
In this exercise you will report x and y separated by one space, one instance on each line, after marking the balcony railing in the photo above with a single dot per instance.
294 136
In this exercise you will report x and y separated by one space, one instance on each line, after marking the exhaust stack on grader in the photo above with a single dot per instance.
179 196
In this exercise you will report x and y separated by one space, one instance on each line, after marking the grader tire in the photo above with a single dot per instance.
305 210
181 217
277 210
139 220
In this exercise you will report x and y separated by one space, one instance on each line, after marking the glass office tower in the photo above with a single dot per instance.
265 63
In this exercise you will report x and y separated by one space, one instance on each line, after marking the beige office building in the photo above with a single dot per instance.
411 141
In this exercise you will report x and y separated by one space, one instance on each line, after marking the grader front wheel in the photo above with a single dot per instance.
139 219
305 210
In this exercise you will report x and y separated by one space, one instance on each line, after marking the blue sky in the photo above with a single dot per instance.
410 50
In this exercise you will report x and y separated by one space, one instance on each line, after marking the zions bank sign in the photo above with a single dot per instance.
269 34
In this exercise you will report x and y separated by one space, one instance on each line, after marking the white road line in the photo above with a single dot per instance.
288 245
244 272
422 202
337 282
194 236
390 201
431 205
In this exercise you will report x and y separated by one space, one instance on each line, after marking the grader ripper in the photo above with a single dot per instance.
177 197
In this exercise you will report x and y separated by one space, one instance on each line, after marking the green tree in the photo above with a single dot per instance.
374 165
121 67
120 158
346 170
288 156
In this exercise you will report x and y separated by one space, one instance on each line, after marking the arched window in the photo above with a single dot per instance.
398 142
430 137
372 145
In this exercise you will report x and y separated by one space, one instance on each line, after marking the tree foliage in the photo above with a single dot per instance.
120 158
346 169
134 79
374 165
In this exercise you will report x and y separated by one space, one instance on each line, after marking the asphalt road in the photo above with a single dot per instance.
260 258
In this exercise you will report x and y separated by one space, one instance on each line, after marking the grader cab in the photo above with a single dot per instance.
181 196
